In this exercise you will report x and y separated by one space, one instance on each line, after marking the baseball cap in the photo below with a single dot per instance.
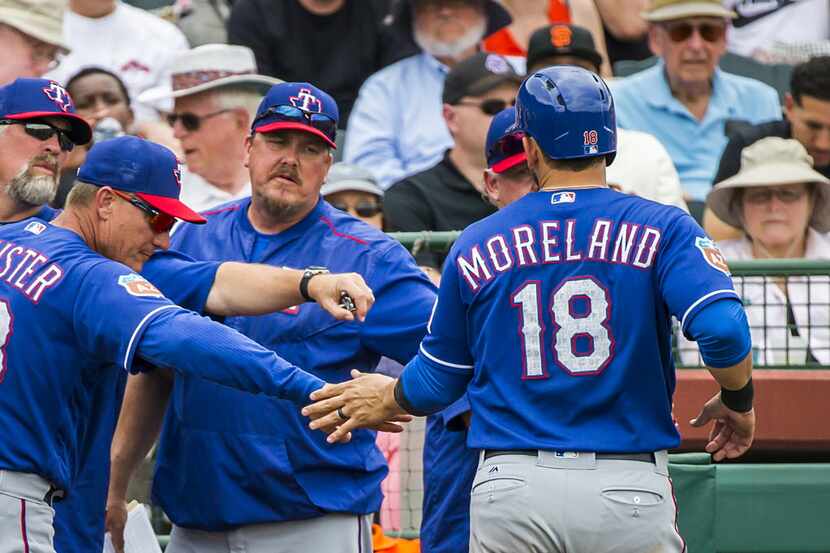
562 40
26 98
41 19
148 170
298 106
666 10
346 176
504 146
478 75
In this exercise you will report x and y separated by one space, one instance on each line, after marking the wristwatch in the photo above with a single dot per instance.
308 274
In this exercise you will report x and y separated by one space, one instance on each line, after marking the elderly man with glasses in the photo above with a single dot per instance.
685 100
32 38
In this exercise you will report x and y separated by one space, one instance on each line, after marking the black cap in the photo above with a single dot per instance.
562 40
478 75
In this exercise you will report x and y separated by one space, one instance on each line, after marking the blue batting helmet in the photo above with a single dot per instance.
569 112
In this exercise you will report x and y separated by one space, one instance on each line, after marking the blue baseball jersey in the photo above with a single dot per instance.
558 310
227 459
79 518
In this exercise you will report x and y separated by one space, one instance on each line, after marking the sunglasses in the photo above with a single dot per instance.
363 209
292 114
681 31
190 121
159 222
784 195
43 132
488 107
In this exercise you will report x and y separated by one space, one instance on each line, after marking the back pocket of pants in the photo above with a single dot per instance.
634 497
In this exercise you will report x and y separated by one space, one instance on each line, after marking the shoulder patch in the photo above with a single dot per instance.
137 285
712 254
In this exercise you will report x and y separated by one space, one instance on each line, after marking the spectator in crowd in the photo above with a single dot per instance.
132 43
642 166
782 206
354 190
335 44
768 30
448 195
507 176
216 91
396 128
807 119
625 30
685 100
32 37
204 22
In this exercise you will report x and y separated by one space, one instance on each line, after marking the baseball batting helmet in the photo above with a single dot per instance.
569 112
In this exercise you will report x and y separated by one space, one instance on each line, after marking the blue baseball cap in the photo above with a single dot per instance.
504 144
24 99
298 106
148 170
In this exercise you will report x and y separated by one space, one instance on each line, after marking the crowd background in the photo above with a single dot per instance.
724 113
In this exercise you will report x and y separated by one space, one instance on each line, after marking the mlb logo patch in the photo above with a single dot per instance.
563 198
138 286
712 254
35 227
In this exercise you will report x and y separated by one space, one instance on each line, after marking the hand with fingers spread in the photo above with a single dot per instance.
366 401
733 432
344 296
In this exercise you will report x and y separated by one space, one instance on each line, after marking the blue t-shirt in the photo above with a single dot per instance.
227 459
79 518
586 282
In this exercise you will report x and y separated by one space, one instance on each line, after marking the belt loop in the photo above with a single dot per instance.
661 462
481 457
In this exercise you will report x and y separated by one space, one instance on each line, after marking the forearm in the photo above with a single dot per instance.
736 376
253 289
139 423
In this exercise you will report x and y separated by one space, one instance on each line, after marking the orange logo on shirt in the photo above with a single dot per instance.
560 36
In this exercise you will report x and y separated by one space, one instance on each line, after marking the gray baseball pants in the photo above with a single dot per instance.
573 502
25 516
334 533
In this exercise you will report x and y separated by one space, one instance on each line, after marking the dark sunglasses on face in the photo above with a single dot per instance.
363 209
319 121
190 121
489 107
682 30
159 222
765 195
43 131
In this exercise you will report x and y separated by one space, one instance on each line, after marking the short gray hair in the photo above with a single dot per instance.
81 194
239 96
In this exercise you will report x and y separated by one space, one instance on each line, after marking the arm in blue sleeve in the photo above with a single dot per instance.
721 331
196 346
429 387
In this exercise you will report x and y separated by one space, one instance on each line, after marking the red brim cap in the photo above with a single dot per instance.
172 207
509 162
288 125
80 132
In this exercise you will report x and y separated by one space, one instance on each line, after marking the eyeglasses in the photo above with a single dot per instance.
190 121
784 195
43 132
319 121
488 107
508 146
681 31
363 209
159 222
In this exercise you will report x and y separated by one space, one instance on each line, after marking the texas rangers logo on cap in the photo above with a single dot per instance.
59 96
306 101
177 173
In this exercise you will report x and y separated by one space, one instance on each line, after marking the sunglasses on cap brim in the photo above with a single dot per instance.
291 114
159 222
43 131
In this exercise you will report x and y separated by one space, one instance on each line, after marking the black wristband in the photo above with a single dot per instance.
404 404
739 400
308 274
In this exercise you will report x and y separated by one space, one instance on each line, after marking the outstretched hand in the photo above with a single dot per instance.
343 295
731 435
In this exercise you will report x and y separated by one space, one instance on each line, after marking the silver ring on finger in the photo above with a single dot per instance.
341 414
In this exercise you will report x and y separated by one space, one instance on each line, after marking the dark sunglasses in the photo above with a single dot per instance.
190 121
159 222
292 114
508 146
363 209
681 31
43 132
489 107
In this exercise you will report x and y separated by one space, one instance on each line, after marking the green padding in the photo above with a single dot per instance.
695 487
773 508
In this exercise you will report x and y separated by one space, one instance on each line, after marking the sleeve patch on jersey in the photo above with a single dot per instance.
712 254
136 285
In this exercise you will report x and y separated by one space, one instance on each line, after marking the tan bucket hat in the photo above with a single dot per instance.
772 161
666 10
207 67
41 19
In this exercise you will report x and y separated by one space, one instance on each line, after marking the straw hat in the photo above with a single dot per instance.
772 161
666 10
41 19
207 67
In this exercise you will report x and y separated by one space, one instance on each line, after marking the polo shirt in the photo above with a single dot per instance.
644 102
